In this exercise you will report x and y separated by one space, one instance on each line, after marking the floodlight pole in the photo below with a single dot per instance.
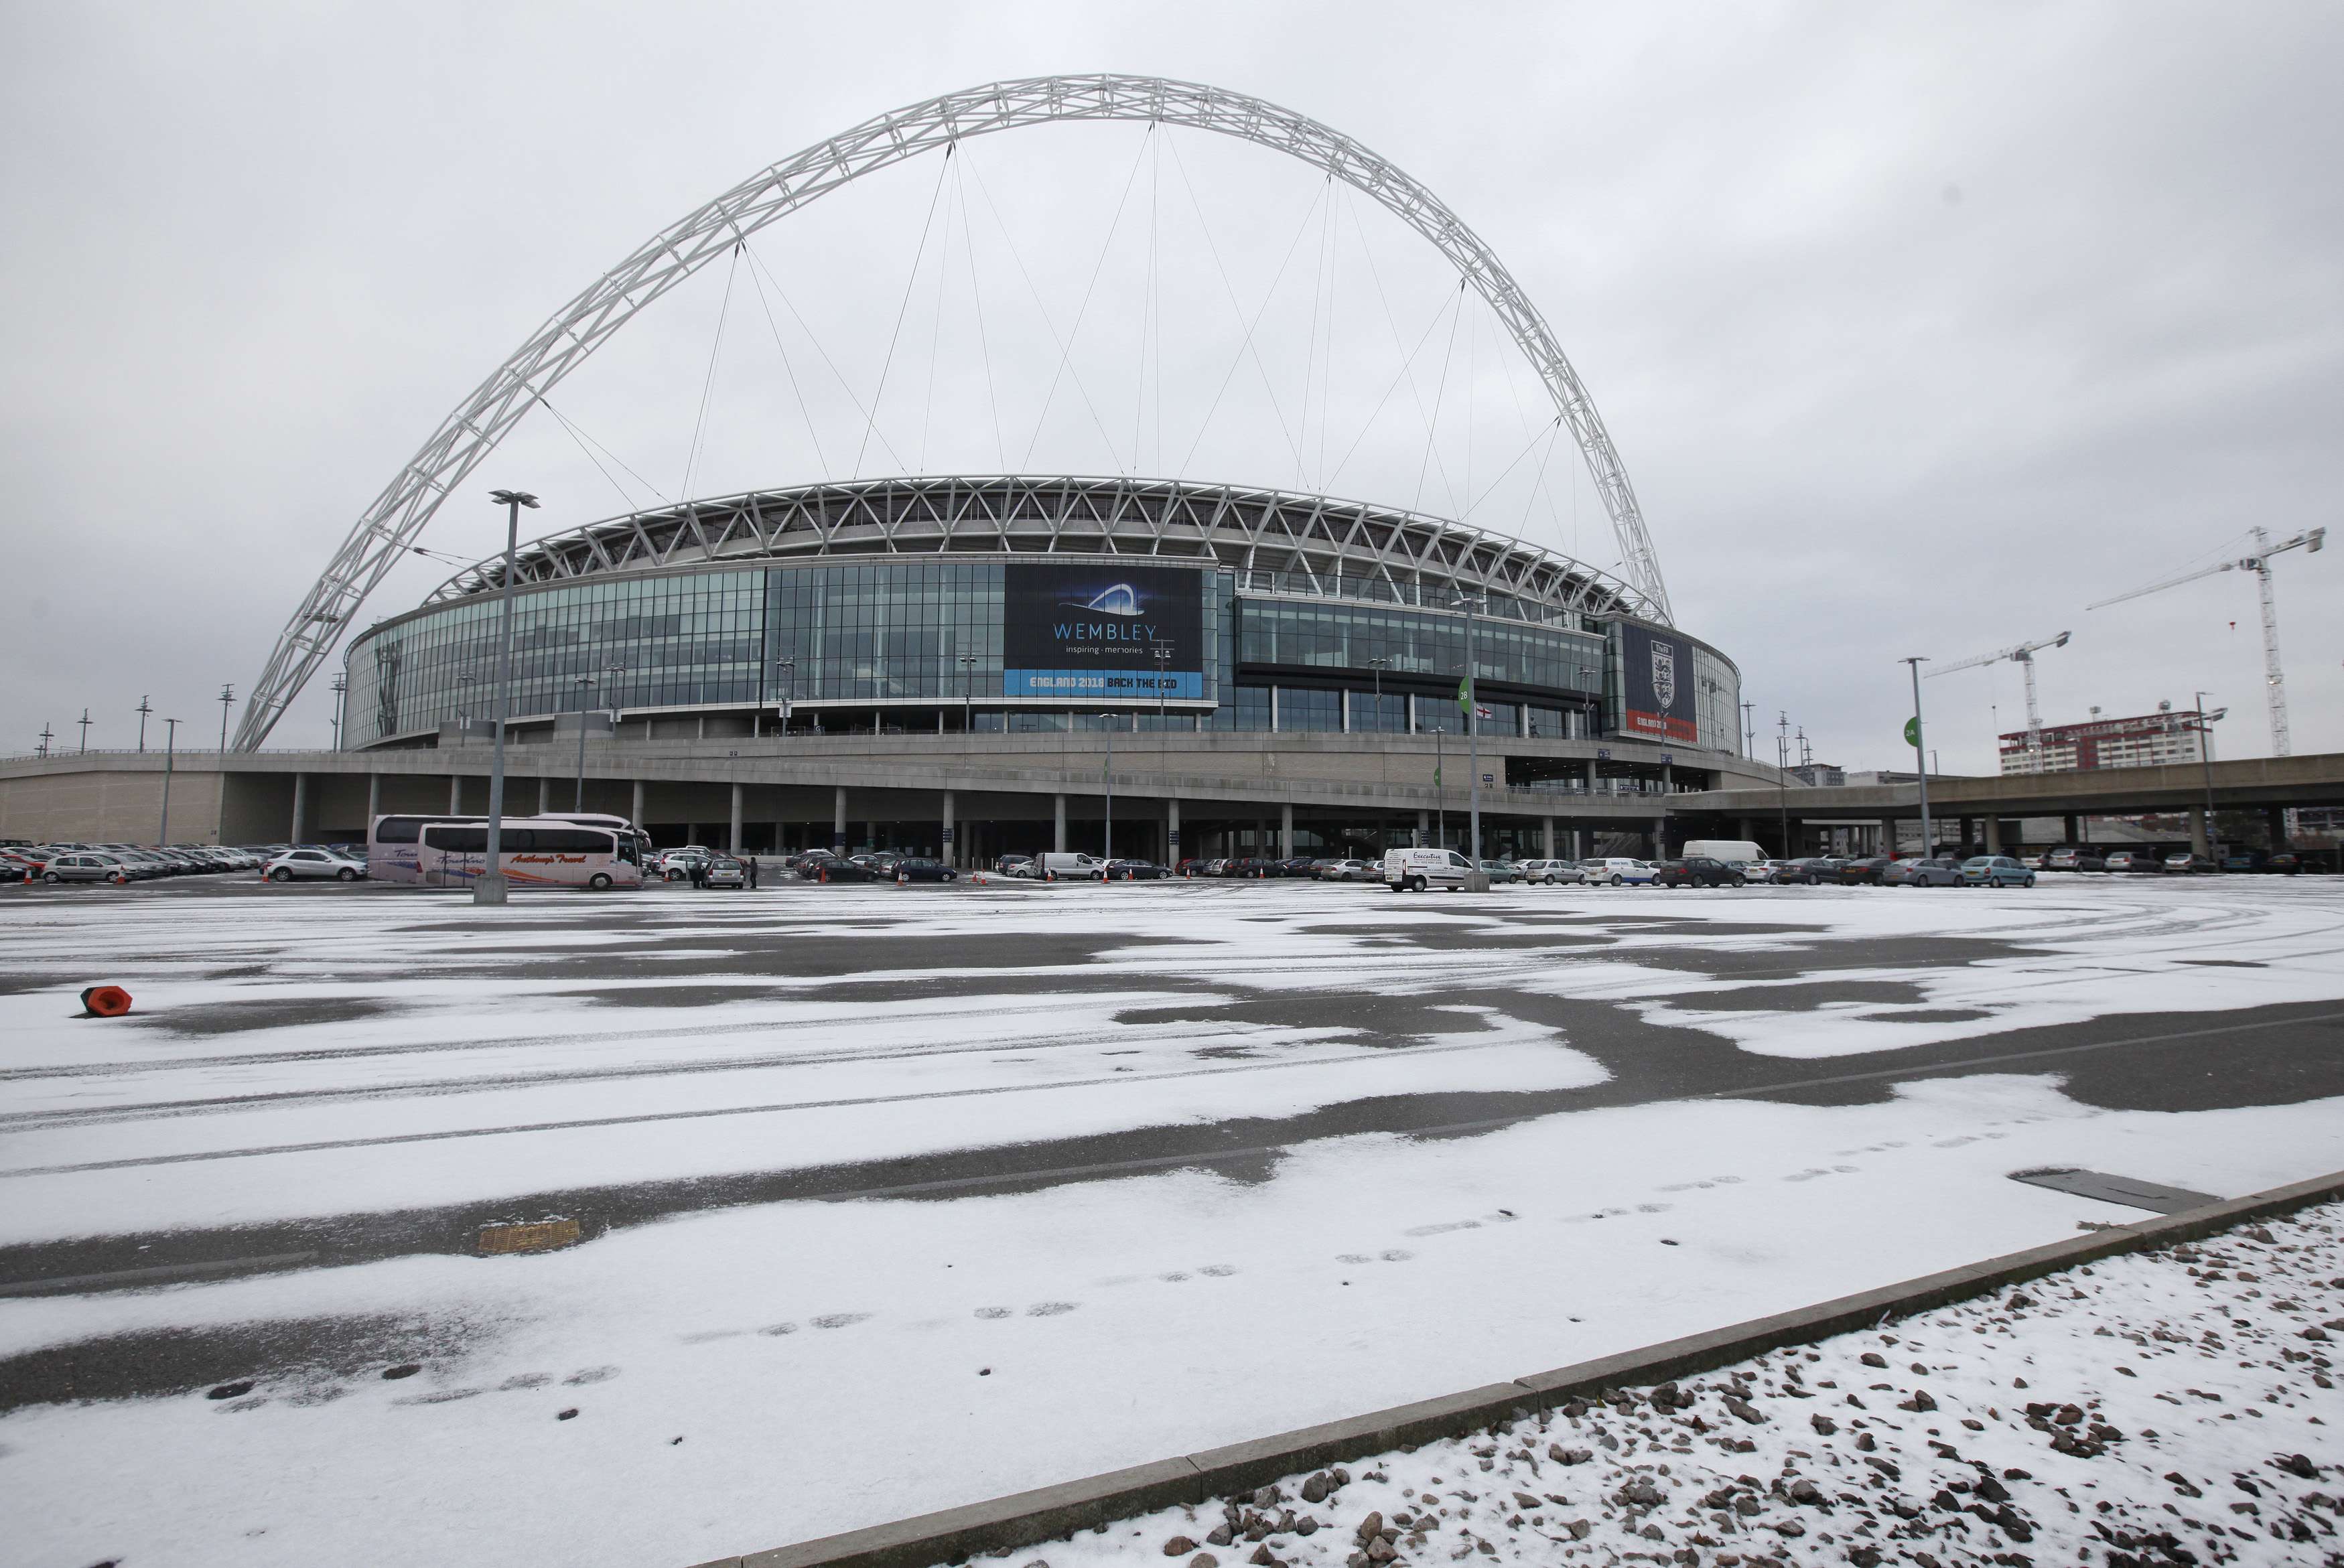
1473 736
144 708
788 669
170 744
967 693
1921 760
2206 765
578 801
488 888
1162 653
1107 776
47 736
341 709
85 730
226 697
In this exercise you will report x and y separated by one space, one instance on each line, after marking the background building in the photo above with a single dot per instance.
2147 740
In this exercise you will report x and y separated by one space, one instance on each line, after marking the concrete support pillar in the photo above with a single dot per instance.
2070 828
1285 832
2199 843
544 796
838 820
732 841
1424 827
1590 775
951 838
374 799
2275 818
1172 832
1742 825
1546 838
1345 698
300 808
1968 837
1058 821
1887 836
456 795
1659 838
635 813
1994 835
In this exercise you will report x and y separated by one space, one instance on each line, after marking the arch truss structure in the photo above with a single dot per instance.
380 537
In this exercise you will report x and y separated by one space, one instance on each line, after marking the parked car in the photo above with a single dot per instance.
919 868
2035 862
1015 865
1195 865
1695 871
1996 871
832 868
2135 860
313 863
1298 865
2075 857
2243 860
2289 863
1867 872
1922 873
1807 869
88 865
1136 871
1346 870
1062 865
723 871
1415 870
1500 872
1618 870
1549 873
2184 862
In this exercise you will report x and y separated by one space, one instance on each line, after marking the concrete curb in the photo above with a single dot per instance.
1028 1518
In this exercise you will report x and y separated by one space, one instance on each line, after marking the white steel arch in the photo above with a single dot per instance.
574 332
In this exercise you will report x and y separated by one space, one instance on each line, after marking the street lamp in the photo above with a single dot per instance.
84 721
1162 653
1107 776
2205 766
144 708
788 671
488 888
968 701
47 736
610 684
464 680
228 697
1920 759
1379 666
170 744
1471 703
585 684
341 705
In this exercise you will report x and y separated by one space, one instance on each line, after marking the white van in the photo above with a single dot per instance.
1414 870
1732 851
1060 865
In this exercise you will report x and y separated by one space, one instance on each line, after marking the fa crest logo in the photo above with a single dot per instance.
1664 674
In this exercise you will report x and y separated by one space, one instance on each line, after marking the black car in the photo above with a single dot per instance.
1865 872
1299 865
1136 871
916 869
835 870
1253 867
1695 871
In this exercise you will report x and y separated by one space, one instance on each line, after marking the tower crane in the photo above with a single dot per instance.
2022 656
2274 678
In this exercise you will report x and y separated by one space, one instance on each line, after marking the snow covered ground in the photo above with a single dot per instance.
2173 1407
901 1198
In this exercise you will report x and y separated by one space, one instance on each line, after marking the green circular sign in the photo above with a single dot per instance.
1912 732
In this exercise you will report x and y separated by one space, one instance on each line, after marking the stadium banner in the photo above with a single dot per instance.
1656 685
1069 630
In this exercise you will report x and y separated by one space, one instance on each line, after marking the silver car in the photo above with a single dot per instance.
314 863
89 865
1549 873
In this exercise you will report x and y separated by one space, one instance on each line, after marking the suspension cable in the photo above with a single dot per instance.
582 438
1082 311
788 369
1246 347
976 296
1439 396
1408 357
757 263
708 383
935 328
879 396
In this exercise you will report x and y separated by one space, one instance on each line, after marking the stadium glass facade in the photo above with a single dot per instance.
918 643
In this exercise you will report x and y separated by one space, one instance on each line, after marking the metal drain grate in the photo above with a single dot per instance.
2127 1190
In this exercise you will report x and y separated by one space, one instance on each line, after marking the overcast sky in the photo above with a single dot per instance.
1918 328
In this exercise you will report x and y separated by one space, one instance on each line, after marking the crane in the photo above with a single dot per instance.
2022 656
2274 681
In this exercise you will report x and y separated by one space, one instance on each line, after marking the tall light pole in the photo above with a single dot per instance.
170 744
788 671
488 888
967 696
1162 653
1440 791
1920 759
1471 701
226 700
341 706
2205 762
144 708
1379 666
1107 775
47 736
578 801
464 681
610 674
1781 778
1749 730
84 721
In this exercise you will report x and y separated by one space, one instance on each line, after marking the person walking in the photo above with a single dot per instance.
699 872
752 874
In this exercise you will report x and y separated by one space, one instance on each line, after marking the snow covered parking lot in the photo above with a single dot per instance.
896 1198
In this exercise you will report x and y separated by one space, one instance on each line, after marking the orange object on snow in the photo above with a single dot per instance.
105 1001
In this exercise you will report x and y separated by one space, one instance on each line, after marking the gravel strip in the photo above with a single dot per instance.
2176 1406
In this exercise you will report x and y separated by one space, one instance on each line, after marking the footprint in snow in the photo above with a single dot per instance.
1174 1277
1217 1271
779 1329
525 1381
989 1313
1050 1308
839 1319
591 1375
1437 1229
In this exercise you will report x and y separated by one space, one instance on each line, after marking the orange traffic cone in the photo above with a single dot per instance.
104 1002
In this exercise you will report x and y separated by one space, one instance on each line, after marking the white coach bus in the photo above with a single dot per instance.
564 850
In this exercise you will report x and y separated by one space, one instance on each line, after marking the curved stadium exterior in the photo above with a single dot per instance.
959 619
